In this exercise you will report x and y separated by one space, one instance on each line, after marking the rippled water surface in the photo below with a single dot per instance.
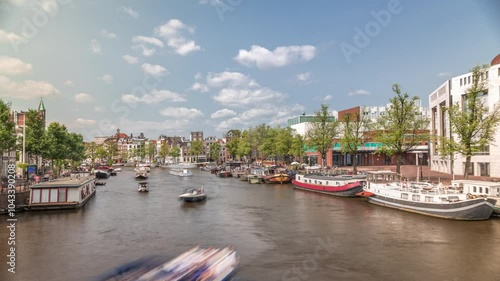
280 234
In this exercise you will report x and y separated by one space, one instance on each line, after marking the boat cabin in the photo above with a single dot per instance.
477 187
65 193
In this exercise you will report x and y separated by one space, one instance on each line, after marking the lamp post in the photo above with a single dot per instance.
419 164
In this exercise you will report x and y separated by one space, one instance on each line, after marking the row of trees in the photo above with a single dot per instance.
56 143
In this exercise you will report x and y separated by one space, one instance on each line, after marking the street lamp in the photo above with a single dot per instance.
420 157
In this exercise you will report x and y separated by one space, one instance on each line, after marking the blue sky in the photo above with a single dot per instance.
175 66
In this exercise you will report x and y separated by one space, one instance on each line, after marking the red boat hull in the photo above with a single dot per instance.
348 190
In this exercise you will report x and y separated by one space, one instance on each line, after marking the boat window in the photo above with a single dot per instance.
62 195
486 190
474 189
415 197
326 182
404 196
428 199
443 199
480 189
453 198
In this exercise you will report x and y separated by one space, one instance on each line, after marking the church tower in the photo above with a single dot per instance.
41 110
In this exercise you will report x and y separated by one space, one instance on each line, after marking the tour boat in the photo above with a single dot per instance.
277 178
141 175
102 172
183 166
143 186
64 193
333 185
193 195
181 172
213 264
387 189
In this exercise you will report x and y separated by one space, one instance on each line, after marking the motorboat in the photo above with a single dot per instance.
181 172
193 195
143 186
183 166
212 263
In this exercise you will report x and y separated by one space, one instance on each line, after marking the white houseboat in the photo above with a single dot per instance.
477 188
64 193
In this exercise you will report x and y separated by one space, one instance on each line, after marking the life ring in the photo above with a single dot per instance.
469 196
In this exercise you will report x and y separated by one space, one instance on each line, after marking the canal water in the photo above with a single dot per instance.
279 233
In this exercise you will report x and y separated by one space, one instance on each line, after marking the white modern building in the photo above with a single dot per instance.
486 163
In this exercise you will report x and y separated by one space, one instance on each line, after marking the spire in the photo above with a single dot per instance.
41 106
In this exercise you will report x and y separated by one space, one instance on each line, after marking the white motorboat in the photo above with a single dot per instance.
181 172
193 195
143 186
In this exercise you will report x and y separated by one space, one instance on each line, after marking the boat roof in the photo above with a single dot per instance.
476 182
380 172
64 182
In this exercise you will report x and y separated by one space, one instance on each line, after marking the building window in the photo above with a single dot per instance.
471 168
484 169
468 81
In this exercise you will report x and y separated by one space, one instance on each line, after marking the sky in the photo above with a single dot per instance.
175 66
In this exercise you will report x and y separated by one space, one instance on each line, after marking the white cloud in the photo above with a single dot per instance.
149 40
154 69
444 74
154 97
95 46
172 33
304 77
359 92
181 112
237 89
267 113
222 113
327 98
69 83
99 108
130 59
8 36
83 98
127 11
13 66
106 78
80 122
107 34
281 56
146 51
200 87
27 89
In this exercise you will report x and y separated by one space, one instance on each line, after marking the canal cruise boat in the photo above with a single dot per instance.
65 193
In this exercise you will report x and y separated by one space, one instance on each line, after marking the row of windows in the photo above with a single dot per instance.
52 195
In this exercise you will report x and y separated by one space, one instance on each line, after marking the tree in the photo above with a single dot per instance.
196 148
214 150
90 152
267 147
355 126
7 136
101 153
163 151
298 147
111 148
232 146
322 131
402 127
244 148
283 142
150 151
174 153
472 122
35 130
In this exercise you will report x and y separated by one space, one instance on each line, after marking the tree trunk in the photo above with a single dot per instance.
355 164
467 167
398 164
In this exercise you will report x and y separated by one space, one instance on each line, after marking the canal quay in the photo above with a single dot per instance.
279 233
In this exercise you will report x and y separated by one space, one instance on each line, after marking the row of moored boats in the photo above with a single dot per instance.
461 200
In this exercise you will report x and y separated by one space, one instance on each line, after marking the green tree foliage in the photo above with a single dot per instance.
214 150
7 136
472 121
232 146
283 142
196 148
150 150
267 146
111 148
258 137
298 147
244 148
322 132
35 132
101 153
402 127
355 127
174 153
163 151
90 151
